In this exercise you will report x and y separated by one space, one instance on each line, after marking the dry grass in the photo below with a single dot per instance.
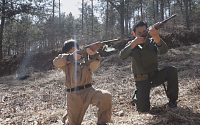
41 99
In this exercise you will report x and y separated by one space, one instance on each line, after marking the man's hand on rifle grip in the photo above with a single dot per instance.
154 33
90 52
76 56
137 41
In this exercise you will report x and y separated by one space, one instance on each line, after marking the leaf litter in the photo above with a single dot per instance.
41 99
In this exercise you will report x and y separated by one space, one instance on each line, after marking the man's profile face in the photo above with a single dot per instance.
139 30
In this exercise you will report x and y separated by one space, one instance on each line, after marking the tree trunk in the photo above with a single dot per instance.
154 14
190 4
8 49
53 40
120 9
169 2
141 9
186 14
111 23
92 22
181 5
162 9
122 17
174 21
157 11
82 19
106 22
1 30
59 12
127 17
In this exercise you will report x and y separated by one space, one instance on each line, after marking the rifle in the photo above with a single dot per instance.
157 25
98 45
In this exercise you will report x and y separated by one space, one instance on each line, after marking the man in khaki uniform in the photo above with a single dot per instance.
78 81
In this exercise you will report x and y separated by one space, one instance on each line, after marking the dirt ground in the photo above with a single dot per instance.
41 99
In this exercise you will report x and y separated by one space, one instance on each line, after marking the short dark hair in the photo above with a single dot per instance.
68 45
138 24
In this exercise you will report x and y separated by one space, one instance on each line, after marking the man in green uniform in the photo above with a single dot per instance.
143 51
78 79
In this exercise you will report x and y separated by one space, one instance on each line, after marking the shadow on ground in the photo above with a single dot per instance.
183 115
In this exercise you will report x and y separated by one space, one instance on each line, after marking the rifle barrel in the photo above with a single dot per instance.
109 41
164 21
157 25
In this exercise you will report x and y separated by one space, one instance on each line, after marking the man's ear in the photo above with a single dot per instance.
134 34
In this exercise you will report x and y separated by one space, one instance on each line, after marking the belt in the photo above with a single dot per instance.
79 88
141 77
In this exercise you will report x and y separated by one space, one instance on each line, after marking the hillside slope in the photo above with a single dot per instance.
41 98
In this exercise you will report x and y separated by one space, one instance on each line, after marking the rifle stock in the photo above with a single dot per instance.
96 46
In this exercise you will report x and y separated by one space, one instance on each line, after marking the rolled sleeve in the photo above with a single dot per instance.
61 60
95 64
125 52
162 49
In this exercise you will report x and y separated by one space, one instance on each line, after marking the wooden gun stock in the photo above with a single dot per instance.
96 46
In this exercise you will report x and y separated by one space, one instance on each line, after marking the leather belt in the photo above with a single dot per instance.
79 87
141 77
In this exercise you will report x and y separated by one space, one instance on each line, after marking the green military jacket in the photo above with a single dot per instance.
144 57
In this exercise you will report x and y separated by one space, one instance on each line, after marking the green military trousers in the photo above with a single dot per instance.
167 74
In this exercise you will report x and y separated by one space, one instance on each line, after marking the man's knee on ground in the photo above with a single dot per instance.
143 108
106 96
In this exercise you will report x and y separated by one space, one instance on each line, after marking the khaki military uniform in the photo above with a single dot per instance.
79 100
146 72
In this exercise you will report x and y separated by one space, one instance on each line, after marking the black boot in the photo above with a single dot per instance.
172 106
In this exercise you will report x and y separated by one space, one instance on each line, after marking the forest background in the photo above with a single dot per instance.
39 25
32 33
